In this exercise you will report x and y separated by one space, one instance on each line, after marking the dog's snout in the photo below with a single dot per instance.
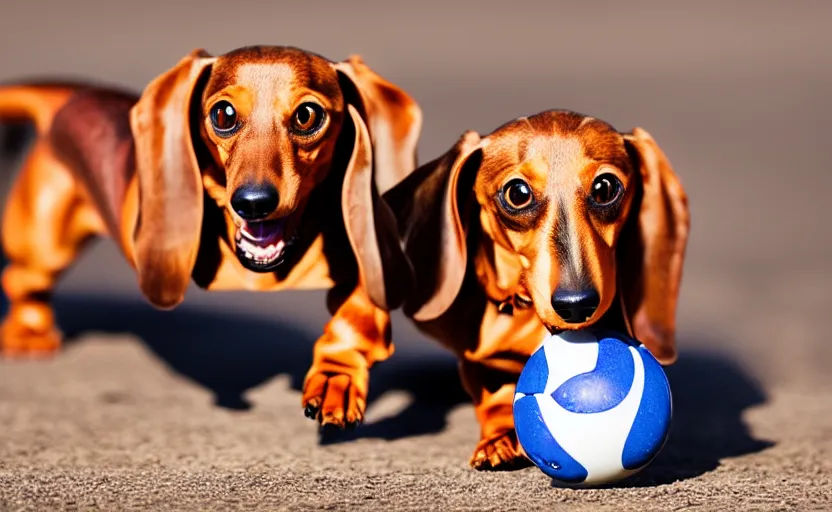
255 202
575 306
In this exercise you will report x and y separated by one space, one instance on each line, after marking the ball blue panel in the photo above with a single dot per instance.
652 423
534 375
604 387
541 447
602 333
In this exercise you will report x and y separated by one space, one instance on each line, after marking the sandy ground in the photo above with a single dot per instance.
198 409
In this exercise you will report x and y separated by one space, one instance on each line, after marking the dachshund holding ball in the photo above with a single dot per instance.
552 222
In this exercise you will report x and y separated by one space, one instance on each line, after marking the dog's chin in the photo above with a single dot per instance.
554 329
558 326
263 246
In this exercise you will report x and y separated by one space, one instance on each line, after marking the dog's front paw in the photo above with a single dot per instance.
500 452
23 343
337 399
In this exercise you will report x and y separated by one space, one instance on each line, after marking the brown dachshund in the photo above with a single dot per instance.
260 169
552 222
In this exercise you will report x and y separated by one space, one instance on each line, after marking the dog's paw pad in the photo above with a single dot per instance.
333 400
500 452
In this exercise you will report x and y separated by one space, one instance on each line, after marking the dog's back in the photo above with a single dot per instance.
86 128
91 135
35 102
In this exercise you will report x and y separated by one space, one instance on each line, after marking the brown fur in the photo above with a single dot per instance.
485 277
153 174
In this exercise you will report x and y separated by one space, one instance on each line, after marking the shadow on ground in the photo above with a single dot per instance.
230 354
710 394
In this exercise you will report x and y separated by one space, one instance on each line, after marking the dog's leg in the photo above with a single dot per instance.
335 388
490 374
46 221
493 394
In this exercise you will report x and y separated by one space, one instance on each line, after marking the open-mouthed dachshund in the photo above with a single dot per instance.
552 222
260 169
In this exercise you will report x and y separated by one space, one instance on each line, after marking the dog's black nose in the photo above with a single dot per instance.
255 202
575 306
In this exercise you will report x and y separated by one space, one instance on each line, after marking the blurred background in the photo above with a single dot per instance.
737 96
736 93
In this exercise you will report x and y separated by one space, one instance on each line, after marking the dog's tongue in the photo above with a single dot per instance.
263 232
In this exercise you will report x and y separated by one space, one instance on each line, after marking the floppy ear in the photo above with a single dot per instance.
383 269
387 123
393 118
651 250
170 187
431 208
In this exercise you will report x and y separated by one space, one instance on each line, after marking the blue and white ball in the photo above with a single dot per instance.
592 407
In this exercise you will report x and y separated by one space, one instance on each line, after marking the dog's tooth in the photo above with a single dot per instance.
247 234
248 255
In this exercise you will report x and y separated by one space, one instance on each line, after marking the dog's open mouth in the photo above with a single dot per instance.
262 246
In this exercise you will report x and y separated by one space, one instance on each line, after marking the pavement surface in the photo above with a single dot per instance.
199 408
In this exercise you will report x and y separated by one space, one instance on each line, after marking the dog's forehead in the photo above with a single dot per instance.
554 140
276 71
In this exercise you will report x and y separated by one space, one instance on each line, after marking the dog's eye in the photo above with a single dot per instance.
606 189
517 194
308 119
224 118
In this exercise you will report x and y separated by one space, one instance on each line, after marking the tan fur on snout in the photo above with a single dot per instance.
563 245
264 150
